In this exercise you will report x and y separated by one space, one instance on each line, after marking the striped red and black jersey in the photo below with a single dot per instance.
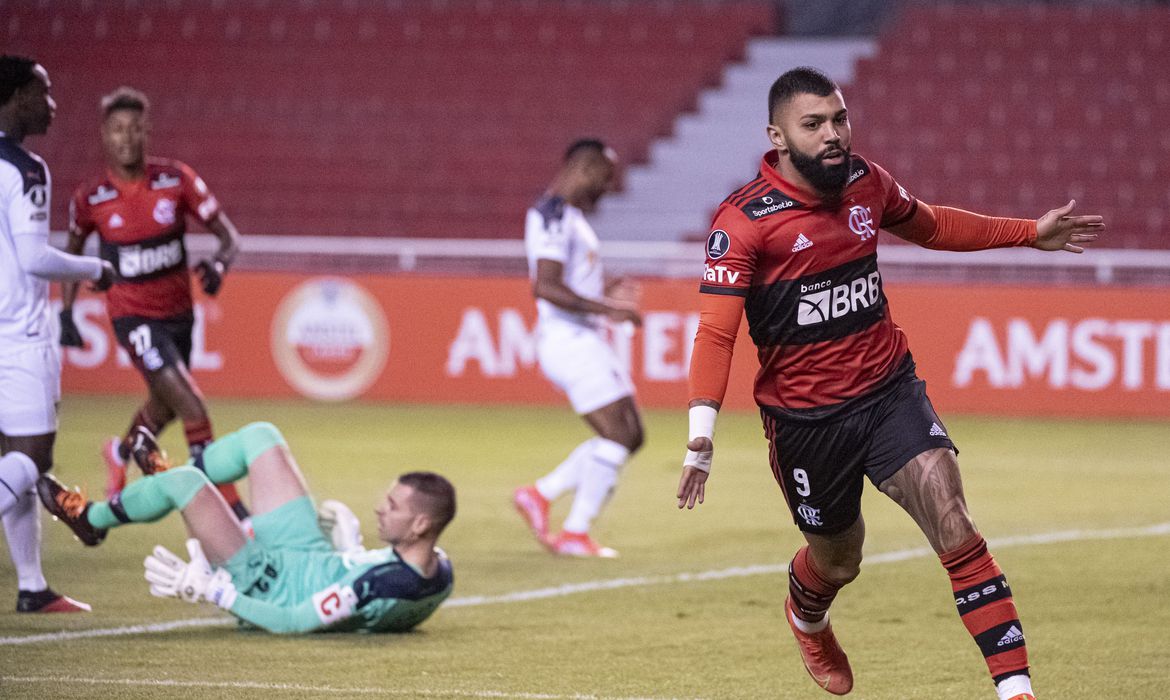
813 294
141 224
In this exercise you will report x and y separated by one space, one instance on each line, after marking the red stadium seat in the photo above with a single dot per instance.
405 118
968 109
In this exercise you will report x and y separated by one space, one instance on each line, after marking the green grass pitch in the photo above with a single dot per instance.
1095 601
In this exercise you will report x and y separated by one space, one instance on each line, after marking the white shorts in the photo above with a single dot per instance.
30 387
582 365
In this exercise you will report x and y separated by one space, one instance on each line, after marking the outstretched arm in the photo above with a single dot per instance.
1059 230
947 228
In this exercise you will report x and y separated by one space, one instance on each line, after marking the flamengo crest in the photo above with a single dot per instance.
861 222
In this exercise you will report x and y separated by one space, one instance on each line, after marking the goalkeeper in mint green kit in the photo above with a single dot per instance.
304 571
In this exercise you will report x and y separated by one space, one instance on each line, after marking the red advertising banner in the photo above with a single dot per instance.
1017 350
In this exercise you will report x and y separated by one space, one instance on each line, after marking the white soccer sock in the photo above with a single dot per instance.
598 478
567 475
22 527
18 473
810 627
1013 686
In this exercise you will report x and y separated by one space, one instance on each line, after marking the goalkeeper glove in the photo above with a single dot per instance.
70 335
171 577
340 525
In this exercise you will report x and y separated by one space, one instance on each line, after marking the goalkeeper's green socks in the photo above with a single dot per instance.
227 459
152 497
149 498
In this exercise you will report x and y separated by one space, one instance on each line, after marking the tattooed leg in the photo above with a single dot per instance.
930 489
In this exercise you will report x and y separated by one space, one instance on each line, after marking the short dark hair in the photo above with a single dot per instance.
798 81
437 492
124 98
15 73
583 146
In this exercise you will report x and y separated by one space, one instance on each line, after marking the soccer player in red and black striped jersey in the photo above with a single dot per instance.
139 209
795 250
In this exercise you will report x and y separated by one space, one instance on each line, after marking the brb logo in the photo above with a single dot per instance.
136 260
821 301
861 222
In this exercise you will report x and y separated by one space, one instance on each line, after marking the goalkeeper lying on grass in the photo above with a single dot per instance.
290 577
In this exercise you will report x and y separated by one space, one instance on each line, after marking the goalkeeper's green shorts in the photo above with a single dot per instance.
291 526
288 532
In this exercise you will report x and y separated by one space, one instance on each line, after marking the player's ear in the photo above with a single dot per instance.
776 138
420 525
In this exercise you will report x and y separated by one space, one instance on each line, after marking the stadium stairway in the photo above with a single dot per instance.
717 148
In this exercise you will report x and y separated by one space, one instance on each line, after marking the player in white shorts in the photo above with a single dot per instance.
30 367
573 301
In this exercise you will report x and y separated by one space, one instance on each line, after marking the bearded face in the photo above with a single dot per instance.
827 171
813 133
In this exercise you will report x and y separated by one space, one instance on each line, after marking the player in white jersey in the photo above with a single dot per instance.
573 301
30 368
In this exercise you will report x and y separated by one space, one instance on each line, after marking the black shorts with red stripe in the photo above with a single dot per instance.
820 463
155 343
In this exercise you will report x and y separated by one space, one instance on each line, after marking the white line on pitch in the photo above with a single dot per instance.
249 685
765 569
611 584
117 631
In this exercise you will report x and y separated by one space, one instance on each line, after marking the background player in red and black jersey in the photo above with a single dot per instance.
139 209
796 251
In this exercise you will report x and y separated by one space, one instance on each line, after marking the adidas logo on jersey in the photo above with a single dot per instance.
937 431
1012 636
802 242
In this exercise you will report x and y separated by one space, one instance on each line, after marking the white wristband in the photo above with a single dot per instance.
702 422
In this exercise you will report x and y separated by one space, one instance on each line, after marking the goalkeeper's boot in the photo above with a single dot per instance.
147 454
70 507
48 601
823 657
1023 696
579 544
115 466
533 507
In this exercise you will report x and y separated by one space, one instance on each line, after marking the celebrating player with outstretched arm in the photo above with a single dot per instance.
305 570
139 209
796 250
